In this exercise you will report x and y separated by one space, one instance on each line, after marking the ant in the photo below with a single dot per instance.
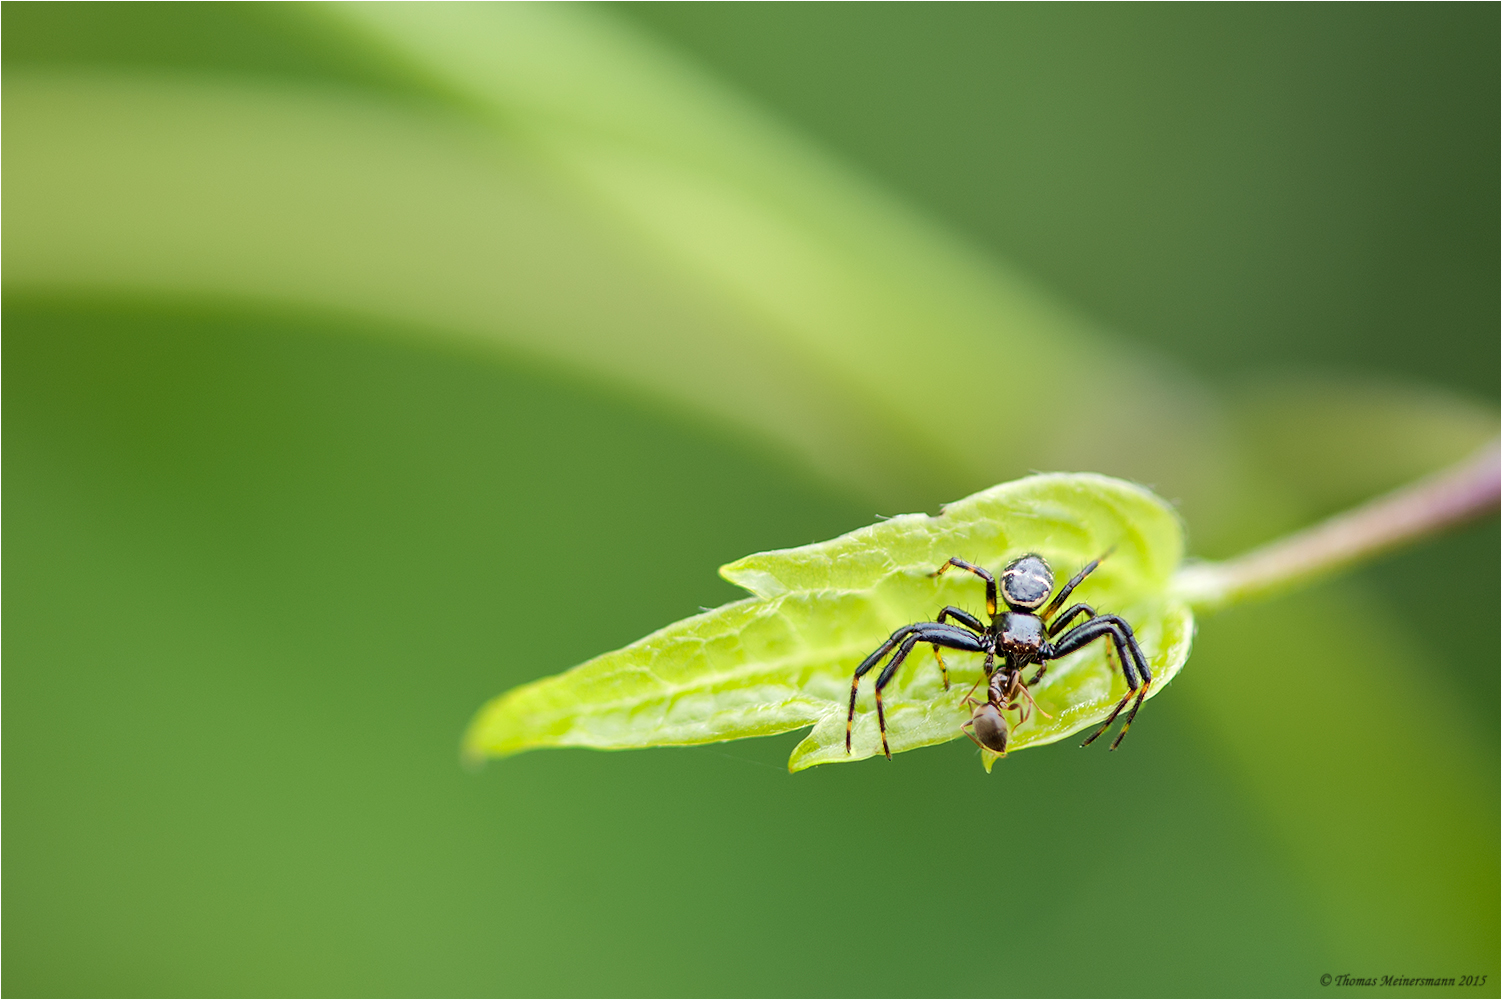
1021 636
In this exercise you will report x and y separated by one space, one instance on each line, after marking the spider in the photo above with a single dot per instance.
1021 636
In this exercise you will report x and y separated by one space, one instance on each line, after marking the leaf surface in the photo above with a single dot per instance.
784 658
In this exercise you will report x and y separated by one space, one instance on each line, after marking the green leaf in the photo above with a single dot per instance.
784 658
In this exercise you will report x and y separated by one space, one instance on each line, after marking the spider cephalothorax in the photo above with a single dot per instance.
1021 636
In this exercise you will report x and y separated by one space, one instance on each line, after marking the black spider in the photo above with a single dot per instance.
1022 637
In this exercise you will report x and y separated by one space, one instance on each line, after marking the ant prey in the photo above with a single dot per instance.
1020 637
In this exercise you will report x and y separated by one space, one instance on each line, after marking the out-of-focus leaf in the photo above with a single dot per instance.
592 200
784 658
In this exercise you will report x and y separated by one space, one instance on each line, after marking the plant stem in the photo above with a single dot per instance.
1457 494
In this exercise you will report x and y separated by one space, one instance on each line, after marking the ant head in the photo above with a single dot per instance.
1026 583
991 729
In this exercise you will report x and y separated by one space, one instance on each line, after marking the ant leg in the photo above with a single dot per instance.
969 698
1029 695
983 574
1074 581
990 666
1003 691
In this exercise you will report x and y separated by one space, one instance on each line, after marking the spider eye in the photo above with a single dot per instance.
1027 582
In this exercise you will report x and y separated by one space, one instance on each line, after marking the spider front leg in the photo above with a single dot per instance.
948 636
1075 581
1138 679
865 667
978 571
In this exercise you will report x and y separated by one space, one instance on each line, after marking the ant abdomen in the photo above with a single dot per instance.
991 729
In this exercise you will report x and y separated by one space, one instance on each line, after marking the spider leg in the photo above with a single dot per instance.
886 675
1109 719
1074 581
865 667
1059 625
943 668
950 636
966 619
978 571
1113 660
1062 622
1123 638
1142 693
938 635
1130 639
1133 663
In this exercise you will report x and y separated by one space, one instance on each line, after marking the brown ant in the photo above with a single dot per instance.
1021 636
987 726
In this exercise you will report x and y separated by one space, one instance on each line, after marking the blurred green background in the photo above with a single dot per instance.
362 362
